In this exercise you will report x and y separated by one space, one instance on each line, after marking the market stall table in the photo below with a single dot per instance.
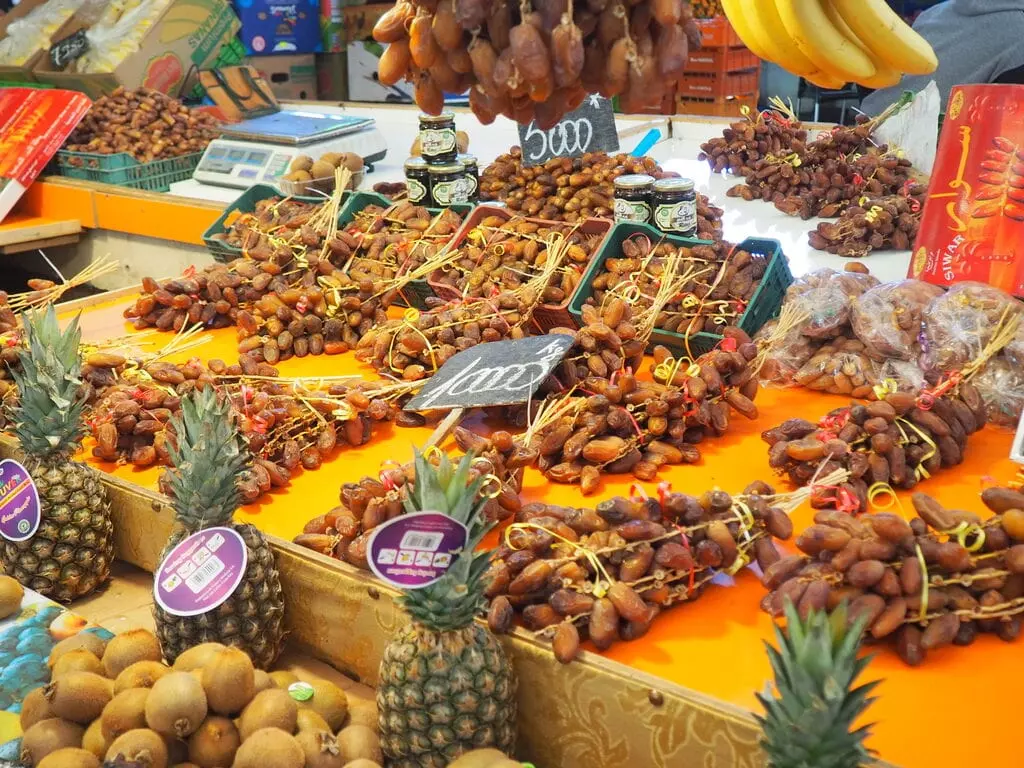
712 648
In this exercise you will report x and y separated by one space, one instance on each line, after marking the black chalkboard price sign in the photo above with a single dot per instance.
495 373
63 52
589 128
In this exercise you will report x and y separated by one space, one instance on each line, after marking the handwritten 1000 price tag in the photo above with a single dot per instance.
589 128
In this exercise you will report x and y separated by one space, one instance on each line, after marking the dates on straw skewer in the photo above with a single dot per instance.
938 580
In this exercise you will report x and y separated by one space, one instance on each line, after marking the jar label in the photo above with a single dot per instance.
630 210
415 550
201 572
437 141
676 217
19 502
448 192
471 186
416 190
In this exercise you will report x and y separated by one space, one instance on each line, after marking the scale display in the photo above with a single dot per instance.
295 128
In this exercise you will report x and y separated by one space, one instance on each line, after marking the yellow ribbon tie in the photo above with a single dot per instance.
599 589
886 387
923 611
883 490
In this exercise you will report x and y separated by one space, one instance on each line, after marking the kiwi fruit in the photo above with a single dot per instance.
141 674
320 748
129 647
352 161
282 678
321 170
261 681
79 696
142 746
298 176
125 712
362 712
197 656
270 748
360 741
78 660
34 707
11 593
184 765
461 142
330 702
301 163
90 641
333 158
176 705
484 758
269 709
417 148
229 681
362 762
214 744
70 757
95 741
47 736
310 720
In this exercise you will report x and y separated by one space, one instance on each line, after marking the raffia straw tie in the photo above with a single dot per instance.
599 589
923 610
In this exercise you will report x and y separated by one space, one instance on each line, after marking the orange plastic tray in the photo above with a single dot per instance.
959 709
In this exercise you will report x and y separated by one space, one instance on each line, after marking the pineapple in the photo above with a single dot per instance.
70 553
446 686
810 724
208 455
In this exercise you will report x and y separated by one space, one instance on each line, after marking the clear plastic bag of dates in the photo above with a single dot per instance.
899 376
827 296
786 353
1001 385
1014 351
840 367
960 323
888 317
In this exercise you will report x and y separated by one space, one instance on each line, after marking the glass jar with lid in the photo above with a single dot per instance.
675 206
437 138
447 184
633 198
417 180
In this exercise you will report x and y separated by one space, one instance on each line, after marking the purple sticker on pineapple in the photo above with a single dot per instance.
415 550
201 572
19 502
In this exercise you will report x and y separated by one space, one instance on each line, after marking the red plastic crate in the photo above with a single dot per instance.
718 33
715 86
722 60
725 106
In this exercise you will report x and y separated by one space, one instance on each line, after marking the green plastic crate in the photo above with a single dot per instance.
123 170
764 305
416 292
244 203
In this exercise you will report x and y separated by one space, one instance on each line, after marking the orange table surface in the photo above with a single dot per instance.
714 645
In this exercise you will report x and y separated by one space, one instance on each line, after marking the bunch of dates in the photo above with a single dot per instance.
535 60
608 342
283 216
605 573
344 532
724 278
746 141
897 441
939 580
873 224
504 254
416 347
396 240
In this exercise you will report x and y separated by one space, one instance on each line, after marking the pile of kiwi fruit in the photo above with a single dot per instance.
116 703
11 594
305 168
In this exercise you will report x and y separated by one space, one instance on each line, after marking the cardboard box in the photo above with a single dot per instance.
973 221
363 85
186 37
291 78
20 73
288 26
332 76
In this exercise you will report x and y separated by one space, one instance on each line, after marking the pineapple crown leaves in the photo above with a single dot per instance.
453 601
207 455
48 417
810 724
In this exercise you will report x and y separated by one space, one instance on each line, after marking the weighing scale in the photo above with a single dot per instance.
261 149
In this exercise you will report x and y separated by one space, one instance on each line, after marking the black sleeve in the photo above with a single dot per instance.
1011 76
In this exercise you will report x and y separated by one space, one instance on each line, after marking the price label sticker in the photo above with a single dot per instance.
201 572
19 502
415 550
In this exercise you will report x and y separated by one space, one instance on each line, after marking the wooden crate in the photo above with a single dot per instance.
722 60
719 85
723 106
718 33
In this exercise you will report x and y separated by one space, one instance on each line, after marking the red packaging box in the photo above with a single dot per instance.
973 223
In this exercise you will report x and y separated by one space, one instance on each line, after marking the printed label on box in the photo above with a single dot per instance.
415 550
19 502
201 572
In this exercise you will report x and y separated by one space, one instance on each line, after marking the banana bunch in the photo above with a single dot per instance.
833 42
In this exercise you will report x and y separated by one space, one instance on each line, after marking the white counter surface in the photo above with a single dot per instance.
677 151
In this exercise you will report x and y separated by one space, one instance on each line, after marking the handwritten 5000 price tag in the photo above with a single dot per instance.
589 128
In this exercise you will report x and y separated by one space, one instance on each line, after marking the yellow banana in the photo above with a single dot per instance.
888 36
817 37
762 16
885 76
747 32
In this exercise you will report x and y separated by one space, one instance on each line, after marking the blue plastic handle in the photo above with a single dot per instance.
648 141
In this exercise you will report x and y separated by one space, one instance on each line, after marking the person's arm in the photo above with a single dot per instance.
1011 76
